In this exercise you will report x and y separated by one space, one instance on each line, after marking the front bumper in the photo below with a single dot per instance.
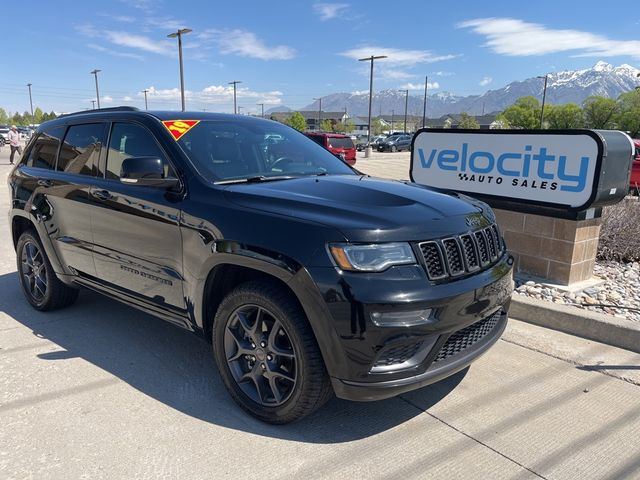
369 362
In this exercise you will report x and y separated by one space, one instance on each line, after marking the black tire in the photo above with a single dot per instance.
39 283
287 379
394 148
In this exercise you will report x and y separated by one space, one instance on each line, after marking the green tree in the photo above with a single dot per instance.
376 126
467 121
4 118
564 116
326 125
628 116
344 127
525 113
599 112
296 121
37 115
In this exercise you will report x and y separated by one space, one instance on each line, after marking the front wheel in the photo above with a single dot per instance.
394 148
267 354
40 285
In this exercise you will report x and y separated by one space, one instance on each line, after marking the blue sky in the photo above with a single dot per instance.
289 52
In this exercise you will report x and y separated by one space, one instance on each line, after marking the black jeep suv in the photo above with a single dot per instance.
308 277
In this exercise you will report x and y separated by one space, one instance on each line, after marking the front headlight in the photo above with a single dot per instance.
371 258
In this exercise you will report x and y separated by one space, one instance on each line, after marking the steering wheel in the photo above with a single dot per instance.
281 161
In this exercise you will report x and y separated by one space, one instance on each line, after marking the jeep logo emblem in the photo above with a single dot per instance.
472 222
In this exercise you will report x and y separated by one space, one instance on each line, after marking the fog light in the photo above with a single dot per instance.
406 318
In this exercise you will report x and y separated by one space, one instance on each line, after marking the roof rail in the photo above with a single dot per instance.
123 108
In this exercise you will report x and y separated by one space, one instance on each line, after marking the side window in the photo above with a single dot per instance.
131 140
81 149
44 150
318 139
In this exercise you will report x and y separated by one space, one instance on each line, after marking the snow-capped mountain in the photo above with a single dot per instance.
562 87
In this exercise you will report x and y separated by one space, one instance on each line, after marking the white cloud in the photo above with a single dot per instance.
445 74
215 95
245 44
106 99
327 11
485 81
141 42
360 92
115 53
420 86
513 37
396 56
127 98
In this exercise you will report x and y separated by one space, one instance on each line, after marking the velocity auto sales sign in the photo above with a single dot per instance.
551 168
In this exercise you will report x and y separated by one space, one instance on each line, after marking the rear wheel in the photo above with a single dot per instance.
40 285
394 148
267 354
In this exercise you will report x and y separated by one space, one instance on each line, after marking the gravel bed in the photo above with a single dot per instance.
621 288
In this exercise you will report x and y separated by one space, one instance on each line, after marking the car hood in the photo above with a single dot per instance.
362 208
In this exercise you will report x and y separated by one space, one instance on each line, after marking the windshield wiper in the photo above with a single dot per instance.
256 179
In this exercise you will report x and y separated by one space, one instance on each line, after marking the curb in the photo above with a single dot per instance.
608 329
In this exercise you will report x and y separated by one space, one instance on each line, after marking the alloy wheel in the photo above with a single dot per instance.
34 271
260 355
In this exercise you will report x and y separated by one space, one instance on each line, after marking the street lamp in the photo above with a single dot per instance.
370 59
30 102
95 73
262 107
406 104
179 34
146 107
393 112
424 107
234 83
319 111
93 104
544 96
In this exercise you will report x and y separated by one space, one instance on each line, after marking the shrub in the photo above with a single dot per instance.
620 231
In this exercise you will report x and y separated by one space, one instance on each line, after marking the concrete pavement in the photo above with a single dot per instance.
100 390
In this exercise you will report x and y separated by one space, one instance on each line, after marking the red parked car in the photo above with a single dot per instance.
336 143
634 181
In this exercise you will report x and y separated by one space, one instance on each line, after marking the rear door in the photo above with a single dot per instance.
61 165
137 241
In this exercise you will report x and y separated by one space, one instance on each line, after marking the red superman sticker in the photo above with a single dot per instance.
179 127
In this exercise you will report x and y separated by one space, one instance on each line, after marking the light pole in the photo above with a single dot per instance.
179 34
95 74
368 151
239 108
544 96
146 107
424 107
319 111
234 83
393 112
93 104
406 104
30 102
262 107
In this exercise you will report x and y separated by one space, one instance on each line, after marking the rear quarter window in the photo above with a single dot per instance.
44 150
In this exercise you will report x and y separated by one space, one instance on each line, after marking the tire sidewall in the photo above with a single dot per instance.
25 238
245 296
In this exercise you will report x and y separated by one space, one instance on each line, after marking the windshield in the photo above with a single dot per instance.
340 142
227 150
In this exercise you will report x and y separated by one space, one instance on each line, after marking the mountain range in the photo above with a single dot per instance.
573 86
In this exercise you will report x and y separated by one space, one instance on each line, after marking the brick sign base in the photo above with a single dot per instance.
558 250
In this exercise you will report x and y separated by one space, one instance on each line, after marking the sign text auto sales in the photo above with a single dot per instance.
546 168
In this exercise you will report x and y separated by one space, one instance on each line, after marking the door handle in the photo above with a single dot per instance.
101 194
45 183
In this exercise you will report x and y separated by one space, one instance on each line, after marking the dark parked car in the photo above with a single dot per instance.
336 143
307 277
395 143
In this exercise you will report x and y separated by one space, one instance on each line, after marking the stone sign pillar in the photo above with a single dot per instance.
557 250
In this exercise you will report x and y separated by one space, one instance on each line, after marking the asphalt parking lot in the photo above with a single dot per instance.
100 390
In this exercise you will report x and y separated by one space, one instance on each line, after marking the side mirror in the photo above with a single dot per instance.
147 171
341 156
